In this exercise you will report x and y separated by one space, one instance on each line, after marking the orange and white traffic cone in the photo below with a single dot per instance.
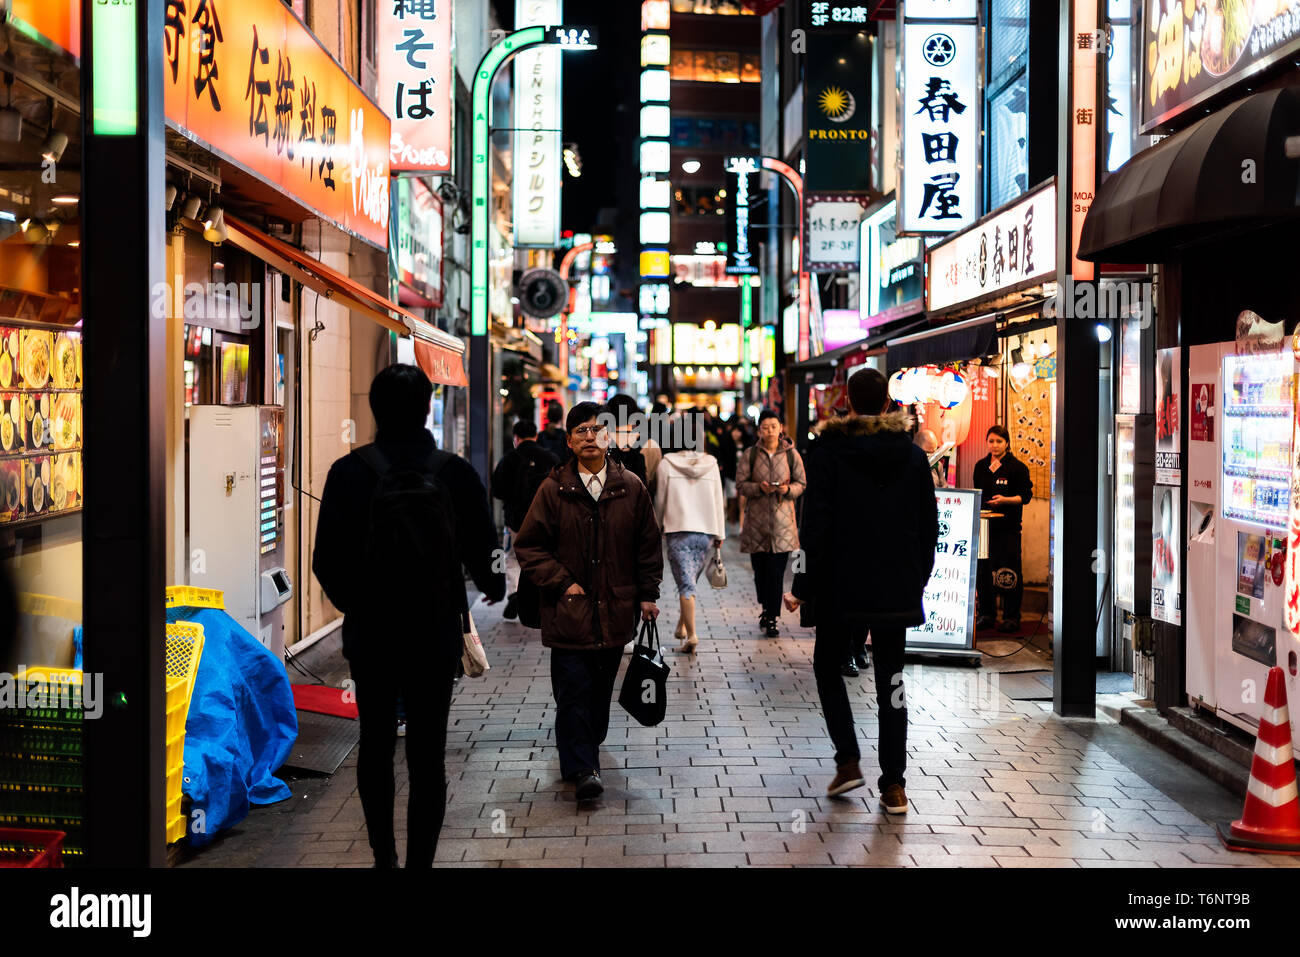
1270 822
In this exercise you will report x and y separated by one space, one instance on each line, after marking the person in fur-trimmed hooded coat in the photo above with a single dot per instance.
870 527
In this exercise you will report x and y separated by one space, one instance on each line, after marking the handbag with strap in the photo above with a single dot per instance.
645 686
472 659
715 570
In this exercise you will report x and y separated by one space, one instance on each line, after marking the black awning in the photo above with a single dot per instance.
820 370
955 343
1227 170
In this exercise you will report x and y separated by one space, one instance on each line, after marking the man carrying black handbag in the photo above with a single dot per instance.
591 545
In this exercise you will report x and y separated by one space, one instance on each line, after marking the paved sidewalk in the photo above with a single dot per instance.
736 774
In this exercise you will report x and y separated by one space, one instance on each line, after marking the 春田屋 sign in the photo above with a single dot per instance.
939 186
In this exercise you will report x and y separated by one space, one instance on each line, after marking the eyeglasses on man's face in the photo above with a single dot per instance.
583 431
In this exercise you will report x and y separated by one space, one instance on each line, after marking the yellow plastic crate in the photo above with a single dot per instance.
51 675
184 649
175 821
189 596
175 750
177 707
175 775
48 606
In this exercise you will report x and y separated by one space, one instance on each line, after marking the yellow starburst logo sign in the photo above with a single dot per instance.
834 102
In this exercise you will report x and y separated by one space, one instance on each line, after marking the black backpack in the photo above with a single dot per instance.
411 534
529 476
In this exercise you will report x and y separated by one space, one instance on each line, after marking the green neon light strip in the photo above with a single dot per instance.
113 62
479 177
746 303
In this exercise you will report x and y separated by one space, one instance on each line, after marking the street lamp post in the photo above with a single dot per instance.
562 353
795 182
572 39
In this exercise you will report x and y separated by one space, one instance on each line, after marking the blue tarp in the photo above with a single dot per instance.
241 727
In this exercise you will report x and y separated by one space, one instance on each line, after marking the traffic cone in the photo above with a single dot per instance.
1270 822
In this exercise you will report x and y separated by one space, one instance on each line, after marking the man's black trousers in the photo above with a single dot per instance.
832 645
583 683
425 690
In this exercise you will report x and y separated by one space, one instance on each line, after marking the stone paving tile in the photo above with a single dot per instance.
735 775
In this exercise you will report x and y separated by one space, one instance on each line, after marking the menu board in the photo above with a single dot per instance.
949 598
40 423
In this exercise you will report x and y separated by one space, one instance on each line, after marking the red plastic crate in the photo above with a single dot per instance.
28 848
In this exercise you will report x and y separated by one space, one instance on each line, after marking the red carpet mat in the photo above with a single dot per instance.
324 700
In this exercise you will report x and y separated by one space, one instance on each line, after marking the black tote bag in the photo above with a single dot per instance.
645 686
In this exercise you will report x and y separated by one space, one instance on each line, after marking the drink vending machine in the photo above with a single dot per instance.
236 500
1240 419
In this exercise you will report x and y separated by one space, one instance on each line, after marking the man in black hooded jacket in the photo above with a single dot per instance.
402 638
870 527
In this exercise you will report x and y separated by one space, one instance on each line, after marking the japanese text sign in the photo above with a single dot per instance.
948 597
415 82
941 128
830 15
247 80
1014 247
1169 465
537 144
419 239
1084 42
832 232
741 172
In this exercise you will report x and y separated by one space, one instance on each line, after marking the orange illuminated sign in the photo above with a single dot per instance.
1084 116
246 79
415 83
58 21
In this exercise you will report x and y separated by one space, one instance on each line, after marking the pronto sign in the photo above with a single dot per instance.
247 80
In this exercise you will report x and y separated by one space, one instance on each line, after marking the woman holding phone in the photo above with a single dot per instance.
769 477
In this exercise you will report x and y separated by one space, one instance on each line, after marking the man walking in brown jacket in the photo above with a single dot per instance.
591 544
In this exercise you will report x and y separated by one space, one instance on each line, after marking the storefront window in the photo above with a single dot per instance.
41 442
1119 105
1008 101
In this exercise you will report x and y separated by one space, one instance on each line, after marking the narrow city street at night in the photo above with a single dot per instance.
656 435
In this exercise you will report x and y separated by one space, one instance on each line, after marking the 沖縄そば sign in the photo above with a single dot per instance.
247 80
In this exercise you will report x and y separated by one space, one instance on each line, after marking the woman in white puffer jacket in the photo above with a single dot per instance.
692 513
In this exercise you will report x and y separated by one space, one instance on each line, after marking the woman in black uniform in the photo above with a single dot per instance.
1007 488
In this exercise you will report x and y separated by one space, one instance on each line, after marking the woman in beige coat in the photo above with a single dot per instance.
769 477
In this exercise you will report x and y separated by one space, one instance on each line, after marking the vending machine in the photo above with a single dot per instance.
1240 418
236 506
